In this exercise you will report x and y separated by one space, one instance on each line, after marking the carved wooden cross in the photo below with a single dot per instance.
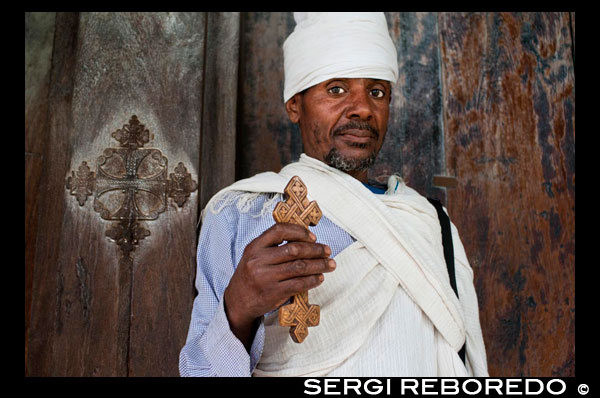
131 185
153 184
299 314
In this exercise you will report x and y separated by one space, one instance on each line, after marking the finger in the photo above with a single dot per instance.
290 287
304 267
284 232
292 251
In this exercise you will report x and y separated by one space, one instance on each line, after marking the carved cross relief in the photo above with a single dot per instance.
131 184
299 314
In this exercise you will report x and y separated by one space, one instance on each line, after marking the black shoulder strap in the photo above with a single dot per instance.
448 252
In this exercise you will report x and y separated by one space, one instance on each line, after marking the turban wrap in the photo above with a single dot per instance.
327 45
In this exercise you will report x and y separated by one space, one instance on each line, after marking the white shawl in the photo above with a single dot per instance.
398 244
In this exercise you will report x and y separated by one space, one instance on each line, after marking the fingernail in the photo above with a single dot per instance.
312 236
332 264
327 250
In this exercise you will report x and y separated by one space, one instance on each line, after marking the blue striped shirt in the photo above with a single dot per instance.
211 348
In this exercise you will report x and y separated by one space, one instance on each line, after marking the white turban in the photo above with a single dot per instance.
326 45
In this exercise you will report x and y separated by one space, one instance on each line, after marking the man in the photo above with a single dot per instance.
375 261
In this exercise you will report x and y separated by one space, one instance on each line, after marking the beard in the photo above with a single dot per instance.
336 160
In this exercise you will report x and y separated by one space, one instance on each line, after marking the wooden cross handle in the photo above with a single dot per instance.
296 209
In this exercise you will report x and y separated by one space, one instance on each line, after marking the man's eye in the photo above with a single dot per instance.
377 93
336 90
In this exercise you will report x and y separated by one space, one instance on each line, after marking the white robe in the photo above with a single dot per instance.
395 270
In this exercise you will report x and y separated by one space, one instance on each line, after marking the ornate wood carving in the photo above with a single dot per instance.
81 184
296 209
131 184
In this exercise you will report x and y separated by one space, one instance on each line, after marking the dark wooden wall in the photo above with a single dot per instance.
509 114
484 99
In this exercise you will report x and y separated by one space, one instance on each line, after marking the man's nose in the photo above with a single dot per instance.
359 106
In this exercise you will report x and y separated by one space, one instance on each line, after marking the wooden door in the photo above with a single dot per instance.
112 274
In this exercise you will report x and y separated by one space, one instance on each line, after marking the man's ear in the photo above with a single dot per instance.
293 107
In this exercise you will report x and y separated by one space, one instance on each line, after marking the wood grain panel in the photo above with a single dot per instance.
167 79
509 120
266 139
39 39
95 315
219 112
47 315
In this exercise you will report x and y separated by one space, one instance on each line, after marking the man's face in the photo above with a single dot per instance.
343 121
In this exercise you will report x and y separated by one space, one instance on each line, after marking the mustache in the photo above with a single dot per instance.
356 125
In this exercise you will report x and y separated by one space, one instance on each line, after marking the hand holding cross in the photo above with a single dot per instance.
299 314
269 272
